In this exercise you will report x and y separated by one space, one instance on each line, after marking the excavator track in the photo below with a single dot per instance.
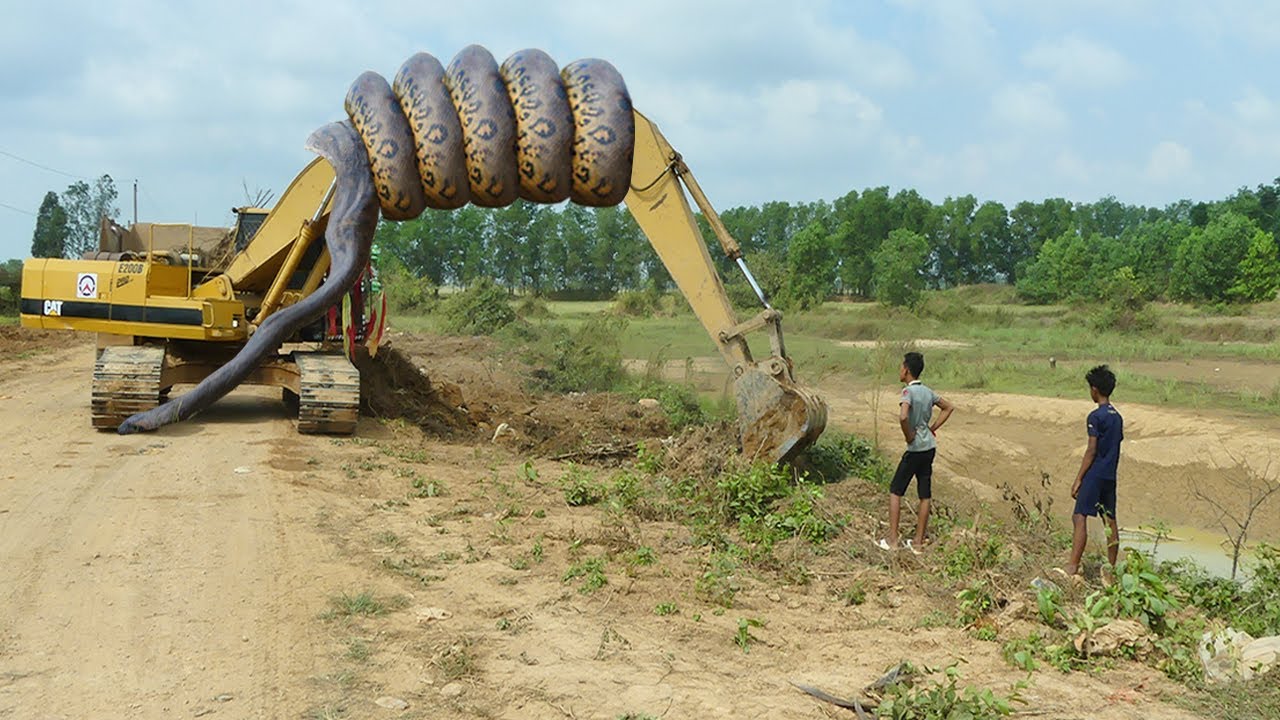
329 397
126 380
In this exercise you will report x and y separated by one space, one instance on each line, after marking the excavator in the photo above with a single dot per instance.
169 311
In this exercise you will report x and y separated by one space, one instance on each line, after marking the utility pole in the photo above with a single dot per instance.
135 202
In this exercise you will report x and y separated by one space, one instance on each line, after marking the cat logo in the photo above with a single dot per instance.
53 307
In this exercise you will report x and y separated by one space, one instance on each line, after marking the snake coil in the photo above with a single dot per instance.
478 132
442 137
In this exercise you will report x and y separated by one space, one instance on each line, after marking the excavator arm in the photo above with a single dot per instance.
777 418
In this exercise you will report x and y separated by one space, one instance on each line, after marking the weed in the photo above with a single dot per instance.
855 594
642 556
1049 605
985 634
481 309
946 699
528 472
975 602
664 609
456 661
424 488
581 487
743 637
1021 653
359 604
387 537
537 552
358 650
591 570
718 583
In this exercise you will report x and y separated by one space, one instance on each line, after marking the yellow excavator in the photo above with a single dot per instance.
167 312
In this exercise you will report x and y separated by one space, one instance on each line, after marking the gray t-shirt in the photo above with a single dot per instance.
922 400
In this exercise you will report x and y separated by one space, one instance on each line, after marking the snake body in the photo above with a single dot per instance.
440 137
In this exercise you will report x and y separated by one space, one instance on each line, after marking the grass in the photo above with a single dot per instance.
1008 345
363 604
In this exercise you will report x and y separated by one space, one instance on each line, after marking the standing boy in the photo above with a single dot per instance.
914 411
1095 487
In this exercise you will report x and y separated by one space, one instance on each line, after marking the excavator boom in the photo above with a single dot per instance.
777 417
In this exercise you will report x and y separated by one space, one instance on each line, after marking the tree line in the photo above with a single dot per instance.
874 244
869 244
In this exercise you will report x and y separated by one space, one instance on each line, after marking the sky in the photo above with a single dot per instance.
1007 100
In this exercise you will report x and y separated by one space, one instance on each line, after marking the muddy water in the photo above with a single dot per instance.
1206 549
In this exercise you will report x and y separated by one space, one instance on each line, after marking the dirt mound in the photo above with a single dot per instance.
392 386
469 388
16 340
702 450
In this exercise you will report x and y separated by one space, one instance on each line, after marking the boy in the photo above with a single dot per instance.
1095 487
914 410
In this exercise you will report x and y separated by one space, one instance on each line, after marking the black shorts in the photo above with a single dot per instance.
918 465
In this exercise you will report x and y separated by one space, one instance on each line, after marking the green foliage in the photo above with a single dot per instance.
899 268
581 487
1259 276
1138 592
743 637
1207 265
1049 605
945 700
85 205
811 266
587 359
665 609
407 293
678 402
1253 607
50 236
975 601
481 309
591 570
837 456
532 307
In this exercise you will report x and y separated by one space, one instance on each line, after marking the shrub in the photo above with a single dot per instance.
589 358
837 456
481 309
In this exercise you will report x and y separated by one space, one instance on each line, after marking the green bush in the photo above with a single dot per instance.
407 293
837 456
481 309
586 359
532 307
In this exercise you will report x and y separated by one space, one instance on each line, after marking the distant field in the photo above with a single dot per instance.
979 339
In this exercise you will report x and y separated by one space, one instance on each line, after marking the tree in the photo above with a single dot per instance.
994 242
1259 276
899 268
50 237
1207 263
85 206
811 265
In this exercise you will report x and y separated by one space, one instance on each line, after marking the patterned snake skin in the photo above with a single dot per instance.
439 138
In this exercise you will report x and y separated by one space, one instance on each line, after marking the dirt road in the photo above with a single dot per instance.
194 572
144 576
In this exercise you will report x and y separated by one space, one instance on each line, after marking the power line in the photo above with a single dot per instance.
10 207
43 167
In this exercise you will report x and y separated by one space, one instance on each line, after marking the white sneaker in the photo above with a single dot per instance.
884 545
913 549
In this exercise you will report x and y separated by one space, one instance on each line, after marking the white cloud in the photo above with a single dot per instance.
1028 108
1169 162
1080 62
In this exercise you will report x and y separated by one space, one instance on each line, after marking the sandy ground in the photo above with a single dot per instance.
188 573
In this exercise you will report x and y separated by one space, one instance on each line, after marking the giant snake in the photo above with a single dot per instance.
440 137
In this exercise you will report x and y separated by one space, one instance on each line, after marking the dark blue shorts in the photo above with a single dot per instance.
1097 496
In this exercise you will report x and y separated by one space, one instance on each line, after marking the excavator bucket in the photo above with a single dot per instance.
777 418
